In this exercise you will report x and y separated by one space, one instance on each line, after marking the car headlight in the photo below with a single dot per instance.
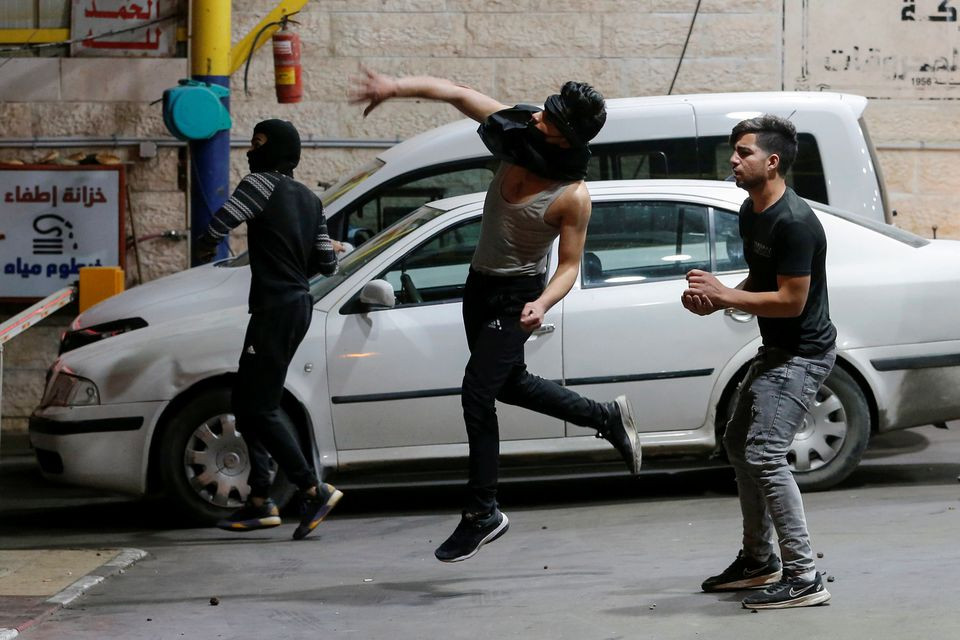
77 337
67 390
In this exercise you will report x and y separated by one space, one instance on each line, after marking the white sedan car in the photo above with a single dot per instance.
374 387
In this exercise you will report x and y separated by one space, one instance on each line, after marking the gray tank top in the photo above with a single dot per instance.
514 239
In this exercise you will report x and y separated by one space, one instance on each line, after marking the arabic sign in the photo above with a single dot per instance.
902 49
54 221
93 17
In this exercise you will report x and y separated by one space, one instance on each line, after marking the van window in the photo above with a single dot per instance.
397 198
635 241
805 176
644 159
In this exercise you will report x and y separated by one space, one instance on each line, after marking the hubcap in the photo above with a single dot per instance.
216 462
821 435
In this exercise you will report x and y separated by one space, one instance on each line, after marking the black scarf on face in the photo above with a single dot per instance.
511 135
281 152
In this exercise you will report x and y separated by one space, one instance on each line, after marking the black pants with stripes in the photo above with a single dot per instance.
272 338
496 371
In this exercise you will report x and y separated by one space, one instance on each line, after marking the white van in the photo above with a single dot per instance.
651 137
683 136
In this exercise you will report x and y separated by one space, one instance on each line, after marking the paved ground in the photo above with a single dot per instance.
611 558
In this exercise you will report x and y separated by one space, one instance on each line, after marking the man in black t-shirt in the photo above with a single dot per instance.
786 288
288 243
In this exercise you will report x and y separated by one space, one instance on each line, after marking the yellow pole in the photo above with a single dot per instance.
210 41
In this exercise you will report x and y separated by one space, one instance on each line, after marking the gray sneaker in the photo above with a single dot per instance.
621 431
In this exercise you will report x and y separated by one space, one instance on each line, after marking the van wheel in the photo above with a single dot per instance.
833 436
204 463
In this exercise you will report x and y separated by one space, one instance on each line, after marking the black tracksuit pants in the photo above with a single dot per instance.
273 335
496 371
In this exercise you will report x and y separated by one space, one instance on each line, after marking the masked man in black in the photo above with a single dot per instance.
288 243
537 195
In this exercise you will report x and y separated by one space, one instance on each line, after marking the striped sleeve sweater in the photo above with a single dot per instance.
286 235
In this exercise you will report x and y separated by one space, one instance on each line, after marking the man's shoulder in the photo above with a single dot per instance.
574 199
797 206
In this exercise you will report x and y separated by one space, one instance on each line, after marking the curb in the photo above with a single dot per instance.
124 559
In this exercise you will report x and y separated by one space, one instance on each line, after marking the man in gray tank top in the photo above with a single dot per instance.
537 195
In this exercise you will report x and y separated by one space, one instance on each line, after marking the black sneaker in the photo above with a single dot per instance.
745 573
787 593
621 431
250 517
314 509
474 531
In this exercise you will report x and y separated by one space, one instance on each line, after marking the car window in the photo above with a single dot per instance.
805 176
436 271
321 285
399 197
636 241
729 245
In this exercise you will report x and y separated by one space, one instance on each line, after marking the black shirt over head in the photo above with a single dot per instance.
787 239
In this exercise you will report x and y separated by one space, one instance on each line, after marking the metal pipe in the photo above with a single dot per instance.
918 145
307 143
210 159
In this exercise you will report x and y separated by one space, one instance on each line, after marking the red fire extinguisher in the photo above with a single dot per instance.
286 65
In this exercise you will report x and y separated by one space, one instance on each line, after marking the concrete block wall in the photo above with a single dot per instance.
515 50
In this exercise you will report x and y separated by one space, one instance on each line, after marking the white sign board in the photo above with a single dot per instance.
155 38
905 49
54 221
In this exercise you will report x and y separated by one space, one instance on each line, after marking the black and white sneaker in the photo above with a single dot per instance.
474 531
745 573
787 593
621 431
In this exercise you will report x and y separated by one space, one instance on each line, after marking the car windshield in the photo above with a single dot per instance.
322 285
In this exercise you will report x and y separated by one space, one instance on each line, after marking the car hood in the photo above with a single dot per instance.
159 361
186 293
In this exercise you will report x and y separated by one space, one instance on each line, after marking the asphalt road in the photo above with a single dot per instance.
591 559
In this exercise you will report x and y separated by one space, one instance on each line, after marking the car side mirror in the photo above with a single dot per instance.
377 294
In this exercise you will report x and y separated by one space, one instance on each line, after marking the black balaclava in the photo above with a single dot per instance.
511 135
281 151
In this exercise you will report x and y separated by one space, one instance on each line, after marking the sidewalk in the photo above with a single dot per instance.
36 582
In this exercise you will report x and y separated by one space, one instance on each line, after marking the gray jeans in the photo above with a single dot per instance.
771 404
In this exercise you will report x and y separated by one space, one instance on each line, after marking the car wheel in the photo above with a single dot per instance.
831 440
833 436
204 463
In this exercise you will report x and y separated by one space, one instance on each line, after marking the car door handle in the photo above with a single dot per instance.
737 315
544 329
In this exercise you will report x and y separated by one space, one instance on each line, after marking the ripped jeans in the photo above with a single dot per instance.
770 407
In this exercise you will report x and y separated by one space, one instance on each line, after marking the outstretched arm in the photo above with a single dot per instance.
373 88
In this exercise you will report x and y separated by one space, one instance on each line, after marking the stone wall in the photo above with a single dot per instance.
515 50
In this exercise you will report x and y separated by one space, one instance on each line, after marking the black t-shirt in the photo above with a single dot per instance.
787 239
